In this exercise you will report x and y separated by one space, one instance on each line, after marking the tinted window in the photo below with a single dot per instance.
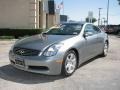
89 29
96 29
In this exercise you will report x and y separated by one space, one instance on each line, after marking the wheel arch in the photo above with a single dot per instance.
107 42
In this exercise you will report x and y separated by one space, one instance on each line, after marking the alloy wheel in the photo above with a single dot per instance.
70 63
105 49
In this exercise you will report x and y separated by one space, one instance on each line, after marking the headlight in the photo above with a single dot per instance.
52 50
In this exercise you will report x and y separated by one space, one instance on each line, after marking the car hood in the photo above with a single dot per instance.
39 42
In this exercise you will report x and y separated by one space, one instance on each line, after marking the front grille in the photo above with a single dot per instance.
25 51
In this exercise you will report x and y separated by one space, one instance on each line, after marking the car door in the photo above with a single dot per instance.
100 40
91 41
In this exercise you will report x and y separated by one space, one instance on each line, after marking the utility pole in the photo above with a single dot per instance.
99 16
107 11
104 21
63 6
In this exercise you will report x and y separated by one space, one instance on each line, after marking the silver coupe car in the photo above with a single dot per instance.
60 50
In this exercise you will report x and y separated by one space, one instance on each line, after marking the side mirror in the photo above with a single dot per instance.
86 34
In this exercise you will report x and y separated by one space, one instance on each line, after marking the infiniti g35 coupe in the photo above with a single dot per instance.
60 50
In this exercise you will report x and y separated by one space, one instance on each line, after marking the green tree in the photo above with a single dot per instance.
93 20
119 2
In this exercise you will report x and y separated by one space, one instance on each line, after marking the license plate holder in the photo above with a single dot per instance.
20 62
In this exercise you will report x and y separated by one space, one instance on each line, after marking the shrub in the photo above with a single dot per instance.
19 32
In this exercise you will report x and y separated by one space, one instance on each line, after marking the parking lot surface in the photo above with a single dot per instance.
100 73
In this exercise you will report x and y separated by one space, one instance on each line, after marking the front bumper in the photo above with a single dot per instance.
38 64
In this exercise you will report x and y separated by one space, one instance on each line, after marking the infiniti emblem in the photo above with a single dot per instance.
21 51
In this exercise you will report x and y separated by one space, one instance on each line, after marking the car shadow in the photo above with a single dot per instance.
90 60
10 73
118 36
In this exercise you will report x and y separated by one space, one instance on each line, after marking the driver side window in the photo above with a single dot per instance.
89 31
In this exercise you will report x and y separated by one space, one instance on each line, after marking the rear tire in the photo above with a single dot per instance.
105 49
70 63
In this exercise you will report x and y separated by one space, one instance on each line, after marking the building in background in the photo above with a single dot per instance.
27 14
63 18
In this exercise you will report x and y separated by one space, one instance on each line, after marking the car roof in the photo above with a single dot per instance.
74 23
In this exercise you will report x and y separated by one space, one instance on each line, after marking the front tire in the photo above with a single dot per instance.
70 63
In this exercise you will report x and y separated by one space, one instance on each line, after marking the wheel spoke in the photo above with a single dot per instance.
68 67
72 67
72 56
68 59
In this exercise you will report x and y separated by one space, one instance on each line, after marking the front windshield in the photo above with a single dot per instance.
65 29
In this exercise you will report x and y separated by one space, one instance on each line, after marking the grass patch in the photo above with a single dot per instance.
7 37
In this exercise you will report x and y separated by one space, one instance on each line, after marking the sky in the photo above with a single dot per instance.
78 9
